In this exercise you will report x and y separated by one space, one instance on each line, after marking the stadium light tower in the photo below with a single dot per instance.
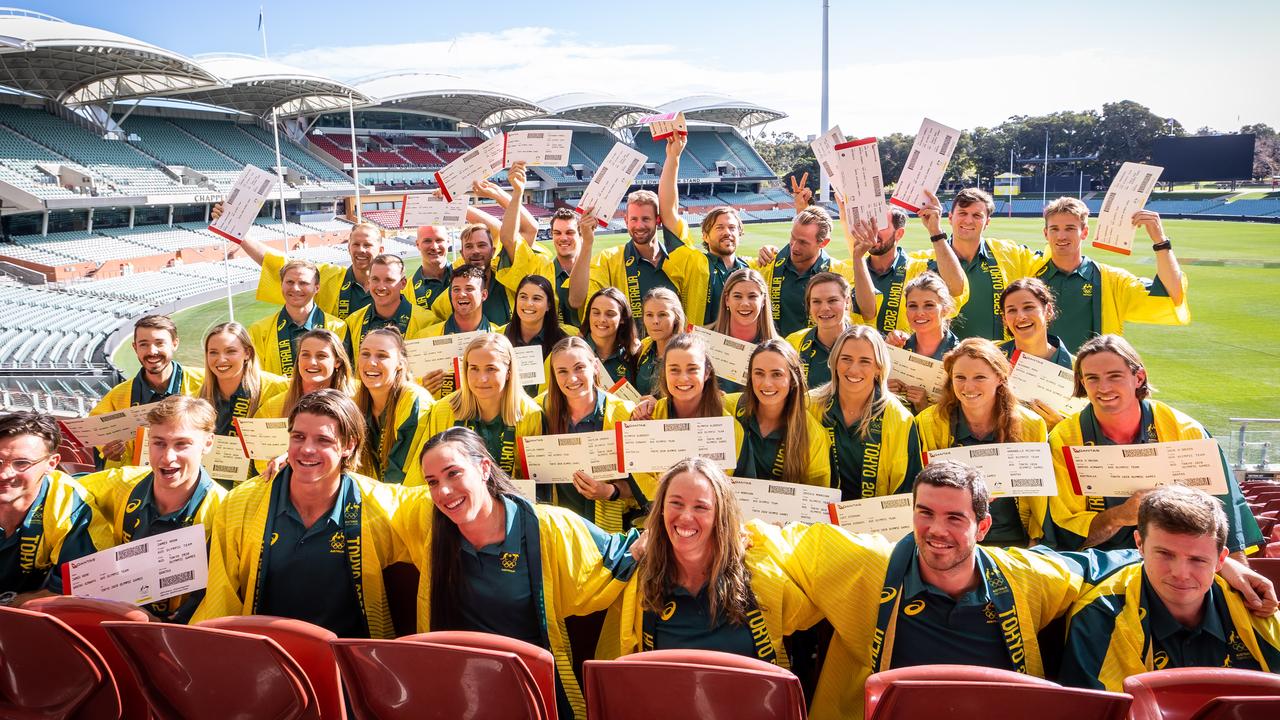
824 181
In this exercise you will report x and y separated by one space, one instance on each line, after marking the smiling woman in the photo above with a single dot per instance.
780 440
395 409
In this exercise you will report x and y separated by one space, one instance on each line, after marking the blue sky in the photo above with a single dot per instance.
891 63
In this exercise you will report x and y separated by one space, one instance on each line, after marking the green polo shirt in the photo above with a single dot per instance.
848 454
1006 524
759 456
792 313
307 577
564 494
568 315
1061 357
717 273
491 432
1205 646
1075 293
33 528
814 357
293 330
978 317
647 368
883 284
497 596
934 629
685 623
616 364
427 289
150 521
496 308
949 342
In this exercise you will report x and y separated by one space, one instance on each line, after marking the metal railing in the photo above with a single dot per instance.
1245 439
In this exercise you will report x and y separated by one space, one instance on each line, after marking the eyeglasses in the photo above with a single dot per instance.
22 465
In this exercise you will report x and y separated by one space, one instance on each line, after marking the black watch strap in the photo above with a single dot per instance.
936 238
1162 245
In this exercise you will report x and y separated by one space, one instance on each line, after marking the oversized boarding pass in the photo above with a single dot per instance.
143 571
1129 192
537 147
225 461
665 125
624 390
479 163
243 203
555 458
1011 469
730 356
530 369
426 355
610 182
783 502
824 151
888 515
263 438
926 164
653 446
917 370
107 428
1034 378
1122 470
862 183
421 210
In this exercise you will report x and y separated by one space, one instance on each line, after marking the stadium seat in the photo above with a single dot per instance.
398 680
307 644
960 700
85 616
719 685
401 582
877 683
1180 693
34 644
1239 708
540 662
1268 567
189 673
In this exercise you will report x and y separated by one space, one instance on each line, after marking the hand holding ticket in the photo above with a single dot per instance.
917 370
655 445
243 203
926 164
610 182
664 126
1128 194
861 183
890 515
143 571
730 356
456 178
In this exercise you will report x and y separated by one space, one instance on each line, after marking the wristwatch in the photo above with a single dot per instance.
936 238
1163 245
616 491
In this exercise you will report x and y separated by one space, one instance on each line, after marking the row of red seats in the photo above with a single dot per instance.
1263 497
112 663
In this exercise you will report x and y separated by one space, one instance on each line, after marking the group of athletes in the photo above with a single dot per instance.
384 467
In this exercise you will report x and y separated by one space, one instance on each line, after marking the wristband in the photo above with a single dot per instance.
936 238
615 492
1162 245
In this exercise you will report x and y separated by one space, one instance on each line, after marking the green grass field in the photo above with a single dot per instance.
1225 364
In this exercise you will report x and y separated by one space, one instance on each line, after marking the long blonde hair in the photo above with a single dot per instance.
824 394
795 445
728 579
764 322
464 403
403 381
1008 422
250 373
343 378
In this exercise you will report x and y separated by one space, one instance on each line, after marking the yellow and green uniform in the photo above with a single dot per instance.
996 264
423 291
59 526
648 367
609 515
1061 357
763 456
703 275
814 356
450 327
411 320
1065 519
254 568
276 337
136 391
623 268
684 622
410 422
568 567
891 302
885 462
504 275
1011 517
949 343
617 363
886 616
499 438
1097 299
537 260
1122 628
339 293
786 287
124 498
241 405
663 410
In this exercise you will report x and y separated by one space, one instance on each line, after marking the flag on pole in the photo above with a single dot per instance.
259 19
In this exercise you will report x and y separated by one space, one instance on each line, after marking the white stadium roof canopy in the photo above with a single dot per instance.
76 65
447 96
722 109
595 108
254 86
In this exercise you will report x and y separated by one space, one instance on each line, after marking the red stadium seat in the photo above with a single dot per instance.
1268 567
960 700
877 683
540 662
1239 708
307 644
49 672
198 673
1180 693
398 680
85 615
723 686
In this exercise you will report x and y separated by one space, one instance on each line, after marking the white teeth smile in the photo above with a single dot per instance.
686 532
455 505
308 463
684 388
852 379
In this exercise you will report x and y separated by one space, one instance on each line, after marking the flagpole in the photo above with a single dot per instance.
275 134
355 158
226 265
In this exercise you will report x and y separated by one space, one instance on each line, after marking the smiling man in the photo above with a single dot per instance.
275 337
342 290
1170 610
466 299
431 280
390 307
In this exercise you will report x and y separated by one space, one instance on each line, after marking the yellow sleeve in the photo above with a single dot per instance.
819 467
269 279
526 262
1064 520
602 266
224 594
261 336
1134 301
591 566
690 266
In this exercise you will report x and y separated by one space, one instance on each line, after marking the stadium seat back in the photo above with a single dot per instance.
540 662
1240 708
1268 567
1180 693
85 616
877 683
399 680
962 700
401 581
709 685
32 646
198 673
307 644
